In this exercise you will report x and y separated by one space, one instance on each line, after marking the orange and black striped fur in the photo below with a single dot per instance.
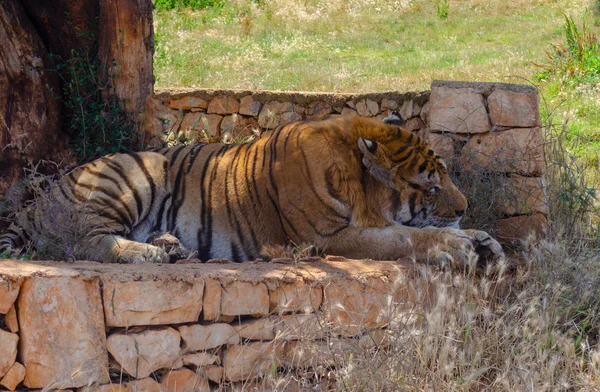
352 186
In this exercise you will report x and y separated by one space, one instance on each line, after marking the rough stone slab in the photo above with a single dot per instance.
143 385
523 195
389 104
249 107
457 110
141 354
276 113
14 376
213 373
518 151
251 360
62 331
211 303
184 380
9 290
223 105
8 348
348 112
414 124
11 320
514 109
200 359
205 337
354 306
259 329
443 145
295 297
301 327
318 109
367 107
152 302
244 298
188 103
410 109
425 112
518 228
195 124
308 354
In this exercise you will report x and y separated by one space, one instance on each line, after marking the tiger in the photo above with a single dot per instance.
352 186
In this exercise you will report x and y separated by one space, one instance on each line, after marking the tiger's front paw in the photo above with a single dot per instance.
143 253
487 248
443 247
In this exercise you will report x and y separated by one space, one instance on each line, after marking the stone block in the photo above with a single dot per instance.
389 104
188 103
244 298
144 385
518 228
274 114
425 112
410 109
353 306
236 128
223 105
14 376
204 337
197 126
414 124
295 297
348 112
259 329
141 354
211 303
184 380
514 108
11 320
518 151
249 107
457 110
8 294
252 360
313 354
301 327
8 348
522 195
213 373
199 359
152 302
443 145
367 107
62 332
318 109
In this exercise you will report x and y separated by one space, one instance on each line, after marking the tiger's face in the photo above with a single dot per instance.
413 182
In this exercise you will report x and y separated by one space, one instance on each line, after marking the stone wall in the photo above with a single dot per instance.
489 133
192 327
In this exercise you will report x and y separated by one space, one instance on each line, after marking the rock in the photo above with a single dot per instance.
211 303
199 359
518 151
367 107
518 228
11 320
443 145
276 113
514 108
204 337
409 110
259 329
8 294
351 104
313 354
213 373
188 103
184 380
353 306
244 298
522 195
301 327
251 360
199 126
348 112
388 104
223 105
152 302
62 332
457 110
318 109
141 354
414 124
14 376
295 297
8 348
249 107
425 112
143 385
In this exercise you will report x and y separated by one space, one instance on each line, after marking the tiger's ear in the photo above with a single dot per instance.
376 161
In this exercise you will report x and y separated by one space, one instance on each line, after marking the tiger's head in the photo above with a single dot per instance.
408 178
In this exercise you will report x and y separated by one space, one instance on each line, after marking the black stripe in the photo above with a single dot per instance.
175 154
281 216
196 152
236 255
149 178
412 203
159 216
114 198
203 250
104 176
118 168
401 149
423 167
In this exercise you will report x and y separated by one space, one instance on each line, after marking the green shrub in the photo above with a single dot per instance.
192 4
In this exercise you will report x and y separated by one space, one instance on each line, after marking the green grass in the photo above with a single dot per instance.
355 46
